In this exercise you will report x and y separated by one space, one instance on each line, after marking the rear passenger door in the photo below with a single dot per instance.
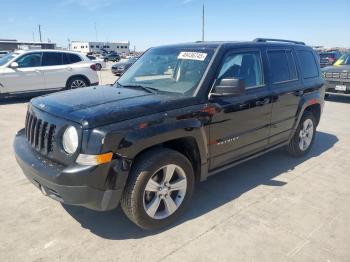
284 81
55 71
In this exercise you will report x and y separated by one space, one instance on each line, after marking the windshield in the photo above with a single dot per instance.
343 60
174 70
6 58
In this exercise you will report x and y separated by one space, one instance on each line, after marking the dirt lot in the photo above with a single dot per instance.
273 208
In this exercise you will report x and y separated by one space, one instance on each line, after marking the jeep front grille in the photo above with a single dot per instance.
39 133
337 75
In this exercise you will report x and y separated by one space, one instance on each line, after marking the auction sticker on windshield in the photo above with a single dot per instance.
192 56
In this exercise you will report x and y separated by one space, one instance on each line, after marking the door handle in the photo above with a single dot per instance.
69 68
299 93
262 102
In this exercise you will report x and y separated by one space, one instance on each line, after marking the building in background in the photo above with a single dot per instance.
100 47
13 44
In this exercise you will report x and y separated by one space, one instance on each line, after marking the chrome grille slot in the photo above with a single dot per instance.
343 75
39 133
336 75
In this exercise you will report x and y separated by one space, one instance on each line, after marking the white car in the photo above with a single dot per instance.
3 53
100 63
35 71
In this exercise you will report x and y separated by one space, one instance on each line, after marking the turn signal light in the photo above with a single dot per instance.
93 160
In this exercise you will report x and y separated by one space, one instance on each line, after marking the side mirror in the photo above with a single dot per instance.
228 87
14 65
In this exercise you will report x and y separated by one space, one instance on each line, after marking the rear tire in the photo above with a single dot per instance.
76 82
169 178
304 136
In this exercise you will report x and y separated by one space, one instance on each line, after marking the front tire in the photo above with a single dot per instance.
304 136
159 188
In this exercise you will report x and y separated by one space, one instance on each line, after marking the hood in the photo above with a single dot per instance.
101 105
339 68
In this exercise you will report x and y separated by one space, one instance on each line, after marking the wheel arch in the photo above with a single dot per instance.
187 146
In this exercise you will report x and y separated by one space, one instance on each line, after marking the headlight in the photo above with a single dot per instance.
70 140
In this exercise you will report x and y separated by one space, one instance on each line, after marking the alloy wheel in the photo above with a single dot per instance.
77 84
165 191
306 134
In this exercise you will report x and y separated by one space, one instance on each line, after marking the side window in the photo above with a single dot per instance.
246 66
282 66
70 58
52 59
74 58
308 64
291 65
29 60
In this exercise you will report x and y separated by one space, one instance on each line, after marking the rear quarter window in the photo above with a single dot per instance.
71 58
308 64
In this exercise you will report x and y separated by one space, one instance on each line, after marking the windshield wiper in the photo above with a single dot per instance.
146 88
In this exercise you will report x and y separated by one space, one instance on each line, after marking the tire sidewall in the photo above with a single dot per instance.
307 115
148 169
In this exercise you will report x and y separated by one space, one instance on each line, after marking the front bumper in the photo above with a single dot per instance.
331 87
71 185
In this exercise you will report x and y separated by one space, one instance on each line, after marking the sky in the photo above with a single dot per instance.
147 23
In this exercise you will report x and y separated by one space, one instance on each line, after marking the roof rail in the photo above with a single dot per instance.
277 40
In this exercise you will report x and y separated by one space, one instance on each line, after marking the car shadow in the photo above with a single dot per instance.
211 194
338 98
14 100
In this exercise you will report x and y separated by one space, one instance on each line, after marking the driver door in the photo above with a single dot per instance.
242 123
27 76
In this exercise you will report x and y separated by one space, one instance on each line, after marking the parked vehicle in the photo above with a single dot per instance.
3 53
35 71
114 57
99 62
120 67
180 114
329 58
338 77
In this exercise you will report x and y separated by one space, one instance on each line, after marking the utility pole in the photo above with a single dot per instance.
40 33
203 23
33 37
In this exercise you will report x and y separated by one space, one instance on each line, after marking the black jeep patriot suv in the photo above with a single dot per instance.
180 114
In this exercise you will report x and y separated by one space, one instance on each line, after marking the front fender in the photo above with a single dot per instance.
140 139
